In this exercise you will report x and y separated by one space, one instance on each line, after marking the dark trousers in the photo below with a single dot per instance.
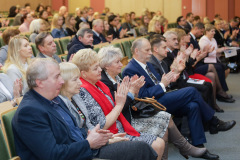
188 102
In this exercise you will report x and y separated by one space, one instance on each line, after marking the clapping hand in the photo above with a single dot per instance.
189 50
135 84
17 88
98 137
121 94
118 138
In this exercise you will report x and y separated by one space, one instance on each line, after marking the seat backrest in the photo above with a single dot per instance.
4 155
59 49
127 49
34 49
118 45
1 42
7 125
64 42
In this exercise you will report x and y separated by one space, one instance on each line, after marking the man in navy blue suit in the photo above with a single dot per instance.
44 128
184 102
98 29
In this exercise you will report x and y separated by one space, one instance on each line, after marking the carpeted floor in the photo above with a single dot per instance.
225 144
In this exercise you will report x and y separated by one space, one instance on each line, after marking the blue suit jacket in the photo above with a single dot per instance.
41 133
97 40
149 89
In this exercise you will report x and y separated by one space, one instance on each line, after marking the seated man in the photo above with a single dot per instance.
83 39
97 32
184 102
46 45
44 128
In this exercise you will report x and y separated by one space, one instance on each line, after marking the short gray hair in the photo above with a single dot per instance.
81 32
137 43
169 33
35 26
38 70
97 21
108 54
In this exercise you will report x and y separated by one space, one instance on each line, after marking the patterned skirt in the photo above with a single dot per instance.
155 125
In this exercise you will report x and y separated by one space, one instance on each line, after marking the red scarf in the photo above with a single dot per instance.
107 106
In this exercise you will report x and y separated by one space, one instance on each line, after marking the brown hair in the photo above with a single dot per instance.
8 33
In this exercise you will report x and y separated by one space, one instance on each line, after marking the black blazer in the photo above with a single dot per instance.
126 109
220 40
194 43
111 31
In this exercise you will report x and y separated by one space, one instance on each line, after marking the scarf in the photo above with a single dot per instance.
107 106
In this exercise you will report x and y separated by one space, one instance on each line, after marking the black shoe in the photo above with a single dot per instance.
223 99
221 126
219 110
210 156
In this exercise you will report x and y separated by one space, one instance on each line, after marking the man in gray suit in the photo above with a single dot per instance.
46 45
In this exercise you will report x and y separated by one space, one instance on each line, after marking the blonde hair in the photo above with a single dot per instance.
67 22
206 20
209 27
13 57
84 59
55 21
180 33
68 71
152 23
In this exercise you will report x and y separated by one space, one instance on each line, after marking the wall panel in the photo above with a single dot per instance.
221 7
199 7
186 7
73 4
172 9
97 5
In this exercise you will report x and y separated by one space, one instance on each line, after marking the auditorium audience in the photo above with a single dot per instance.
110 62
57 27
211 71
7 35
83 39
60 137
100 106
19 54
70 25
26 21
46 45
154 26
49 10
181 102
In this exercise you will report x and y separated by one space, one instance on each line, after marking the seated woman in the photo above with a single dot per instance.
113 30
133 21
36 27
154 26
6 36
70 74
143 29
44 16
212 63
102 108
70 25
26 21
127 24
19 54
57 27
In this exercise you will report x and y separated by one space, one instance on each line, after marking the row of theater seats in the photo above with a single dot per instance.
7 146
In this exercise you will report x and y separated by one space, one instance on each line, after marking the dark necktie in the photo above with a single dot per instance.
161 66
155 80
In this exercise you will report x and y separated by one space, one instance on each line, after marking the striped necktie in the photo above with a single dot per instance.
155 80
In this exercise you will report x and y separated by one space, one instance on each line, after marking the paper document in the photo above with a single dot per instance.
231 51
195 81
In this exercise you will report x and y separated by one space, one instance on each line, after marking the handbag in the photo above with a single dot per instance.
146 107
